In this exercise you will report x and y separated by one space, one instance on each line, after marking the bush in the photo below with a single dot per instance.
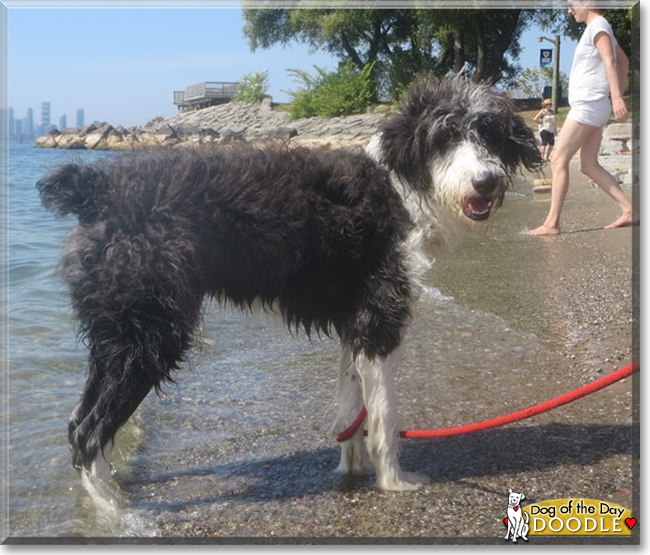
329 94
252 88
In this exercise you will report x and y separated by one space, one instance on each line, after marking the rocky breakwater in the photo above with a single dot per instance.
235 121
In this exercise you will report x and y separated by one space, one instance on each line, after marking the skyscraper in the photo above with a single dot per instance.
29 131
63 122
45 116
80 117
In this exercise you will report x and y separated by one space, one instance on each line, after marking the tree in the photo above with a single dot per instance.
533 81
484 40
400 43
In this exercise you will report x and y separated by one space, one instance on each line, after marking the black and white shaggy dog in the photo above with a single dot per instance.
334 241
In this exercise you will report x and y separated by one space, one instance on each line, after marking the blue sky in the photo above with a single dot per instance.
122 65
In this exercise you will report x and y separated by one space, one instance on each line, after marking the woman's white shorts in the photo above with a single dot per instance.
595 113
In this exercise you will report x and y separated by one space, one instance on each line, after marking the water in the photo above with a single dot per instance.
248 380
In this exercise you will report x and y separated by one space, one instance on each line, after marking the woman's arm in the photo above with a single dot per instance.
614 71
622 66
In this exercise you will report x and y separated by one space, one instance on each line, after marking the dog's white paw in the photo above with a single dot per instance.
354 459
406 481
357 470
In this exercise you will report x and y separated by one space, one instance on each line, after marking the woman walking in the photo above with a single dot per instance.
596 85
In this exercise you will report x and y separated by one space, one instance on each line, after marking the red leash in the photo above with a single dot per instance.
546 406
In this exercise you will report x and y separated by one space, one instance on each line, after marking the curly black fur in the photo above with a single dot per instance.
316 233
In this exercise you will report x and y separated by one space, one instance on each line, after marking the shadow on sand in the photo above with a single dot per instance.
484 454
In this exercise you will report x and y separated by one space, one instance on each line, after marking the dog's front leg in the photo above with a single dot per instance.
377 377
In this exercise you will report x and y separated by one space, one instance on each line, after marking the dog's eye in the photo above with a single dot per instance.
491 133
444 131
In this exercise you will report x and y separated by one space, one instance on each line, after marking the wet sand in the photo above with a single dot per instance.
573 293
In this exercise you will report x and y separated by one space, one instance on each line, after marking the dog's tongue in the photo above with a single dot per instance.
477 208
480 205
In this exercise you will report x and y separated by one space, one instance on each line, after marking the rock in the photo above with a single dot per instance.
96 139
209 135
232 136
227 123
266 105
114 139
87 130
283 133
47 141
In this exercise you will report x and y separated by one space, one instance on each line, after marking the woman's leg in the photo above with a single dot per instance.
569 141
591 168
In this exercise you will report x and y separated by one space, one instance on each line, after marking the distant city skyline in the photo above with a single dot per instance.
27 128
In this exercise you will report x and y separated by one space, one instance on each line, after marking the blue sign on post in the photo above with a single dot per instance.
545 57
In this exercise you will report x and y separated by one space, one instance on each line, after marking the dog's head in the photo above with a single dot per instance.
514 499
458 143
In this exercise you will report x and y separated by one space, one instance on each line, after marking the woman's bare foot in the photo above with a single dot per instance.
544 230
624 221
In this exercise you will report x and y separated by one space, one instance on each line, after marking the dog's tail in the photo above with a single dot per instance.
72 189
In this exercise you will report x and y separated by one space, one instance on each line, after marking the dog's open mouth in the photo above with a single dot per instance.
477 208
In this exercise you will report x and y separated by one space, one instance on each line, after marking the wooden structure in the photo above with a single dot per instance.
203 95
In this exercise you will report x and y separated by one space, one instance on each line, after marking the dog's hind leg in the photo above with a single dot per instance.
131 352
349 399
135 345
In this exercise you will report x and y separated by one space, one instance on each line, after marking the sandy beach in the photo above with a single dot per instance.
576 295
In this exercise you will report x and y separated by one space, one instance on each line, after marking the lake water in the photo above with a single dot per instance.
246 375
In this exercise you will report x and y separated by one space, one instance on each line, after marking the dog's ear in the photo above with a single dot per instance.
413 136
510 490
521 146
522 497
403 149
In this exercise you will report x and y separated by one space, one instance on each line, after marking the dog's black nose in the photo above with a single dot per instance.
486 183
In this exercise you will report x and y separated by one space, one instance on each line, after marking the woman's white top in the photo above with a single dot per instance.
588 80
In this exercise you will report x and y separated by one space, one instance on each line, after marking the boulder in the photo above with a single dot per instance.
96 139
47 141
282 133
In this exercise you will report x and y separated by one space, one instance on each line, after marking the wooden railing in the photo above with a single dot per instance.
205 94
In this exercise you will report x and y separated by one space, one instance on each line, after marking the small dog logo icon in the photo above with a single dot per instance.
517 520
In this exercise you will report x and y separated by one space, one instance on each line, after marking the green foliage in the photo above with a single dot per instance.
404 42
253 87
533 81
329 94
